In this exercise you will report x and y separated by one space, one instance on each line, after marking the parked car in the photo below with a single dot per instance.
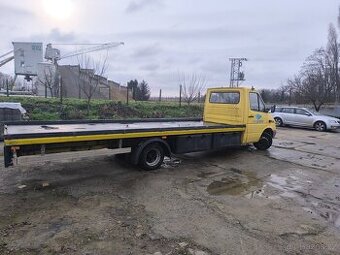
303 117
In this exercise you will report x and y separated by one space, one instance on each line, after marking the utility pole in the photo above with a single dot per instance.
61 89
235 71
160 95
127 95
7 88
180 95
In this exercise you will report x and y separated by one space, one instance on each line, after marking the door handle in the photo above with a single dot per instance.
251 116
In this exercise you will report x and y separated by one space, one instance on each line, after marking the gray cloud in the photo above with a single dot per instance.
150 67
147 51
55 36
191 36
135 6
16 11
188 33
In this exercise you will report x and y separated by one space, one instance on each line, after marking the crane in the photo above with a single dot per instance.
54 55
6 60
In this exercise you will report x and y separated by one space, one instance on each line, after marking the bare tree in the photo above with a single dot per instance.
48 78
313 84
193 86
339 18
333 60
90 75
6 79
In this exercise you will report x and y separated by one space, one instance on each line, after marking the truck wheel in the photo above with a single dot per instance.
265 142
278 121
320 126
151 157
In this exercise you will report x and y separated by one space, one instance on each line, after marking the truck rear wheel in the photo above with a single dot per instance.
151 157
265 142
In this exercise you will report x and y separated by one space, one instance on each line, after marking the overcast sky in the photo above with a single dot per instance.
165 37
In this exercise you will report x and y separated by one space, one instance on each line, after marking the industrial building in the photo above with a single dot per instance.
77 82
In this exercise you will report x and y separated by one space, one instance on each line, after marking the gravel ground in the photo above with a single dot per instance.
240 201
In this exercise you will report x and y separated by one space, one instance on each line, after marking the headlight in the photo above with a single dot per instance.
333 122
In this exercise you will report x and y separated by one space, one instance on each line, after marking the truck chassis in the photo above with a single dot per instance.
149 139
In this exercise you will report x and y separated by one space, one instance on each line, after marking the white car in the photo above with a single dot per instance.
295 116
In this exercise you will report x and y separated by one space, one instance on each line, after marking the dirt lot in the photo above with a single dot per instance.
283 201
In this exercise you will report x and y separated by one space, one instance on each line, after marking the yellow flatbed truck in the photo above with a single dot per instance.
232 117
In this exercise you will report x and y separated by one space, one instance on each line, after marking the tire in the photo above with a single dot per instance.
264 143
320 126
151 157
278 121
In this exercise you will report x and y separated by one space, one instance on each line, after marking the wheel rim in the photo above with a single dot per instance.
278 122
319 126
153 157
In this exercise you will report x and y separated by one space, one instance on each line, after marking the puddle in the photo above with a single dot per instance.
337 222
286 185
34 184
235 185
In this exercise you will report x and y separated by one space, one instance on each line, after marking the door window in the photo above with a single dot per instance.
302 112
288 110
256 103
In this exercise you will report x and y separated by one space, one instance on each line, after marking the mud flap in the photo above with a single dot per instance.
8 156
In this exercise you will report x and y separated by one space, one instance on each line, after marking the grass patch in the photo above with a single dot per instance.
39 108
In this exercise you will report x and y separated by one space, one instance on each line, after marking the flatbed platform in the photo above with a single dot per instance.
17 133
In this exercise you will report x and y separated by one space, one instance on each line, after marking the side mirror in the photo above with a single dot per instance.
272 108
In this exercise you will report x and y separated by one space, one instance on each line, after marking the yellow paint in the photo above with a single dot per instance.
83 138
239 114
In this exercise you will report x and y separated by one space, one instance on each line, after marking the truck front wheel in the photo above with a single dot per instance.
151 157
265 142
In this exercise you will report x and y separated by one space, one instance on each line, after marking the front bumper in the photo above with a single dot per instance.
334 125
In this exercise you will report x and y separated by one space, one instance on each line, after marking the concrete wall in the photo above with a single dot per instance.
76 82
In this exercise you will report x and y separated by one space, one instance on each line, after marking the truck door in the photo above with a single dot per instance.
257 117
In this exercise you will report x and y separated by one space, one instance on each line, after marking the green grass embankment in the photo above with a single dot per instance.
39 108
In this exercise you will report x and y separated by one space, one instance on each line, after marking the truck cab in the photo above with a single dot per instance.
241 106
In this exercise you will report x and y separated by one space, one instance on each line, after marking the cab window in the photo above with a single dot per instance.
256 103
225 97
